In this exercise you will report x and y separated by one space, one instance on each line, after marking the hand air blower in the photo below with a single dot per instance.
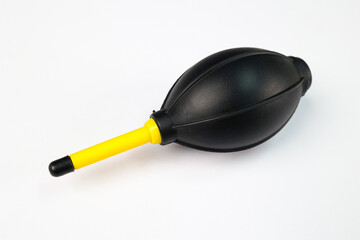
230 101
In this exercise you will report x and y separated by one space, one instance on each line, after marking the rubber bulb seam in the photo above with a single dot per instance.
242 109
216 67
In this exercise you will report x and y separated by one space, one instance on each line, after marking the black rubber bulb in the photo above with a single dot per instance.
229 101
233 100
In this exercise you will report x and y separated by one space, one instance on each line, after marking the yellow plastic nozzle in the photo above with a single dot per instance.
149 133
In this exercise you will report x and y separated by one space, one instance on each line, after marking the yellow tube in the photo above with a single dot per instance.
149 133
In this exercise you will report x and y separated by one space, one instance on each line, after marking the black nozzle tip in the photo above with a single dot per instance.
61 166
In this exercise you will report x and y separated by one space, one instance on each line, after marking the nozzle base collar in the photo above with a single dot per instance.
165 125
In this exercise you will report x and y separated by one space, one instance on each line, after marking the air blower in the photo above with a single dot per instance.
230 101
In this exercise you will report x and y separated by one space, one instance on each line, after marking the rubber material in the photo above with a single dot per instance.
233 100
165 125
61 166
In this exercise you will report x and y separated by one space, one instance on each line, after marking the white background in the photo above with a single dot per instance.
74 73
